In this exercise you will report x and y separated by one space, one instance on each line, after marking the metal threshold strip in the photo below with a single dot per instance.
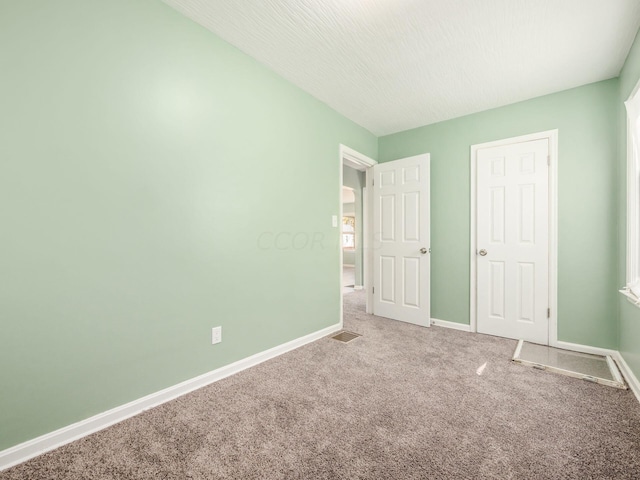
591 368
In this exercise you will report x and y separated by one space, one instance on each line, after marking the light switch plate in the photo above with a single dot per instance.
216 335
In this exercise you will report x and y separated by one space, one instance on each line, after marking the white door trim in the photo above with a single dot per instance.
354 159
552 136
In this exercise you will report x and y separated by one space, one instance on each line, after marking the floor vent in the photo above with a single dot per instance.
346 336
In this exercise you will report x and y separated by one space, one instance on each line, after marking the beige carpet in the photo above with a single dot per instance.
400 402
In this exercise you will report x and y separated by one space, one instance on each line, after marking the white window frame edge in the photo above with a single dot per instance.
633 235
342 232
552 136
354 159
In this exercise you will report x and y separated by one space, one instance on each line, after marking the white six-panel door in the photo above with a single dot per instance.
401 238
512 240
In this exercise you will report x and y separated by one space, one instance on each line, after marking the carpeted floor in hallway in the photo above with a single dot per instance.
400 402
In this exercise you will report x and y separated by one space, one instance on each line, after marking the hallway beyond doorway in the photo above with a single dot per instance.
348 278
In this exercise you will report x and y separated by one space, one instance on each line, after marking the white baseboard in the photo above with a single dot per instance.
359 287
454 325
576 347
628 375
32 448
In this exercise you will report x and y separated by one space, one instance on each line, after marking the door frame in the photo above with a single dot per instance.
359 161
552 136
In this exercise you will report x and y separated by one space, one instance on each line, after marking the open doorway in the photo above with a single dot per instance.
351 232
353 222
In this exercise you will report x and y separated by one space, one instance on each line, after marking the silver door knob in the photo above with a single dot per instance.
424 250
482 252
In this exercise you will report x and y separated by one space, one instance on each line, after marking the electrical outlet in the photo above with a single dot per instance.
216 335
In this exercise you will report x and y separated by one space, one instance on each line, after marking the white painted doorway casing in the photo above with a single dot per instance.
514 238
360 162
401 240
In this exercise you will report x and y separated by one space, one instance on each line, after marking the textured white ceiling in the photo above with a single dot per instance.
392 65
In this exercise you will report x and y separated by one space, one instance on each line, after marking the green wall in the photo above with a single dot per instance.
629 314
586 119
146 169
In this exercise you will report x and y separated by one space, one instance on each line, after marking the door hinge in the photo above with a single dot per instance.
548 313
373 289
548 159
